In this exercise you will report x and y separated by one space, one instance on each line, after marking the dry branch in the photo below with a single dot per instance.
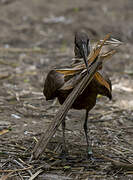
118 164
15 170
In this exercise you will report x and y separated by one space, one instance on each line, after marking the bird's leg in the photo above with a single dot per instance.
64 149
89 150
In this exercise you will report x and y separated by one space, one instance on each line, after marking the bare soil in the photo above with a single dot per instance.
36 36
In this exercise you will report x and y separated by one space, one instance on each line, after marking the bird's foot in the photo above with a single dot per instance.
64 154
89 151
90 154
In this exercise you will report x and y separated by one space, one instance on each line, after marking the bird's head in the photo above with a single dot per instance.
82 46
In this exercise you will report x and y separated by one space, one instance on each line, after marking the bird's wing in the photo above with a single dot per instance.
53 82
71 83
68 71
102 81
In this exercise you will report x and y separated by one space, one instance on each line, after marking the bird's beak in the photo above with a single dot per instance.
84 52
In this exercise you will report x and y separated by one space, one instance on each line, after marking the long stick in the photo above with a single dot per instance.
48 134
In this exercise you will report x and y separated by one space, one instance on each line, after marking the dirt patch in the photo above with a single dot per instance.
36 36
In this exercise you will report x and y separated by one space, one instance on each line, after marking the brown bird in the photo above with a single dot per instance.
60 86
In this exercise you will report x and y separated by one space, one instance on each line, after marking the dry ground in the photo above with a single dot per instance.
37 35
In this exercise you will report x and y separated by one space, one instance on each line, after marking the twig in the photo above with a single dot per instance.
81 171
128 172
15 170
119 164
23 166
4 177
36 174
20 176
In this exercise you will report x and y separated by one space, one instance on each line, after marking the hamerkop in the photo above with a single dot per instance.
55 85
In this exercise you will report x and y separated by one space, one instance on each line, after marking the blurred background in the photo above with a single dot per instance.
51 24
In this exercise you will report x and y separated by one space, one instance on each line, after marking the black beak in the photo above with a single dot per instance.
84 53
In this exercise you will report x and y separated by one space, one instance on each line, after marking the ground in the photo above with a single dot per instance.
36 36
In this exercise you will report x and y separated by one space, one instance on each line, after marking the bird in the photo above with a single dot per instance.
57 85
